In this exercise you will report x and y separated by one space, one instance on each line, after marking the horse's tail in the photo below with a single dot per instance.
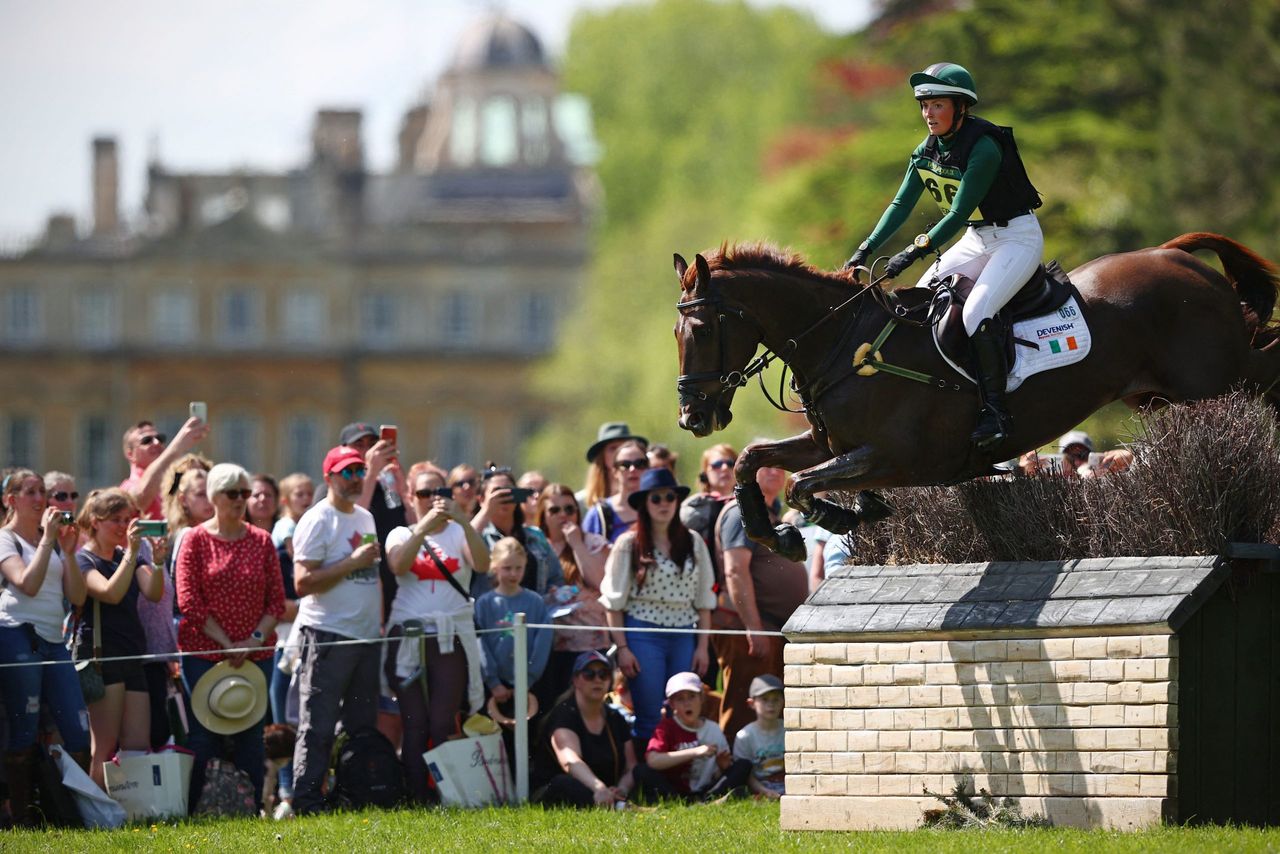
1255 279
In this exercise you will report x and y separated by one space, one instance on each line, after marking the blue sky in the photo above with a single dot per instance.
215 85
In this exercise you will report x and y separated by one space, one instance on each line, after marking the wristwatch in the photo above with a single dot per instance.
923 242
258 636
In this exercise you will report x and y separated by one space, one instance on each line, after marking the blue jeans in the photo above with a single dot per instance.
279 700
25 688
661 655
247 751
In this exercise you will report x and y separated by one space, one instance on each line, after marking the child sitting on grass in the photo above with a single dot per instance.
762 742
688 756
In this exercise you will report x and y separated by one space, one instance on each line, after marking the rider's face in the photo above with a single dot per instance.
938 113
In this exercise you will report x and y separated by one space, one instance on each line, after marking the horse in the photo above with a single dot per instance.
1166 327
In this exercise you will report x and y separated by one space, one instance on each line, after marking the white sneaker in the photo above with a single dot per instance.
283 810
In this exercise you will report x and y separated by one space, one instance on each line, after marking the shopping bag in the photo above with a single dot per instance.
95 806
471 772
153 785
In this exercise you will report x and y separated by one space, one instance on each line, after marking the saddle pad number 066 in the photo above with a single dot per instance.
1061 338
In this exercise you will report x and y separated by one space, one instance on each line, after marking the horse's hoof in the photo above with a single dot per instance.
790 543
871 508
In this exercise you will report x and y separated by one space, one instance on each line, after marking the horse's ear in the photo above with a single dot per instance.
704 272
681 266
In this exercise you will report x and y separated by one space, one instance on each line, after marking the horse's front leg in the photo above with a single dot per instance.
846 471
798 452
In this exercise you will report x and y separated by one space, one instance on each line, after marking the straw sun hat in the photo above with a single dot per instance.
228 700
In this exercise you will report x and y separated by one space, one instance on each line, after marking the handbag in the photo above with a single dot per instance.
227 791
90 669
471 772
56 803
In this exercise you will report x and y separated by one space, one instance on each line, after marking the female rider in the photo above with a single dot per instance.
972 170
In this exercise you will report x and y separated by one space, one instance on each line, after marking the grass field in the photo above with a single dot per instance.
728 829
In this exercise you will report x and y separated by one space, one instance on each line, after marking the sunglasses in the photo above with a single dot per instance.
152 439
459 484
556 510
65 496
641 464
720 464
353 472
595 674
661 497
242 494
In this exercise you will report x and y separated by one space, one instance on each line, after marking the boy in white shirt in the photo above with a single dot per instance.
762 742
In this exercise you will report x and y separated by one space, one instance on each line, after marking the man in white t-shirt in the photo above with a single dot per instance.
335 571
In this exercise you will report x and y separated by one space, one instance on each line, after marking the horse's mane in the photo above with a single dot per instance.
758 256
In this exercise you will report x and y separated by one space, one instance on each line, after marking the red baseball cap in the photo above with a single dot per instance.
340 457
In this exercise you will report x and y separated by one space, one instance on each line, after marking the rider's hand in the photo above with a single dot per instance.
900 262
858 259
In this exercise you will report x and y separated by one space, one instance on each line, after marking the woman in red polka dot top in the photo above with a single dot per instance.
231 596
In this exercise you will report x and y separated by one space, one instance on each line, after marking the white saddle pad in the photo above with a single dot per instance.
1061 338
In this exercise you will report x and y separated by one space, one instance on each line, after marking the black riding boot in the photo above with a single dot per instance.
992 375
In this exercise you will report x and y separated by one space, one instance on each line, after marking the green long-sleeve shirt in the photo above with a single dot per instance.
979 174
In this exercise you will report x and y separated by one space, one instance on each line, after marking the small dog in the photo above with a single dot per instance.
278 741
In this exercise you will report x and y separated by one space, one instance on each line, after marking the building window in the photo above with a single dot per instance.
536 323
304 452
534 131
173 318
458 318
23 316
21 436
457 440
462 133
305 319
499 140
97 324
96 445
379 319
241 316
241 442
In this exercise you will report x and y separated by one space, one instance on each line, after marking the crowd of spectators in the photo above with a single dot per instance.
290 602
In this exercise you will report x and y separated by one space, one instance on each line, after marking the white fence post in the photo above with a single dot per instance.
521 633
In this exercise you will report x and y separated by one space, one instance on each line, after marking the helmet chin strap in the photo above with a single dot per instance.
957 116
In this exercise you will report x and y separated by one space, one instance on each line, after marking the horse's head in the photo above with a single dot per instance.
715 340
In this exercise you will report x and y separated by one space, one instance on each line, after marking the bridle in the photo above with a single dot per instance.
687 385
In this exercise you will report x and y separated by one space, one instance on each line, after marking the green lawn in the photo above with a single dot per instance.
727 829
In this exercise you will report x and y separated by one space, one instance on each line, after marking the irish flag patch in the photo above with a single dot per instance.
1059 345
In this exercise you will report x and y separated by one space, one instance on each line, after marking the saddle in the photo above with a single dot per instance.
1046 291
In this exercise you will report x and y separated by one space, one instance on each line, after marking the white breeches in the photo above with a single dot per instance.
999 260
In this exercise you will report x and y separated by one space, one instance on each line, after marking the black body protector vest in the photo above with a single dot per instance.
1011 193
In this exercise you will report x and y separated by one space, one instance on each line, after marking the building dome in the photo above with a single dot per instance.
498 42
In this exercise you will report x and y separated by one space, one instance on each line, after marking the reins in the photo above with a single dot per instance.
757 366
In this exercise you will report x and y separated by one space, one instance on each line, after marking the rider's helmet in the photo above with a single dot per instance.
944 79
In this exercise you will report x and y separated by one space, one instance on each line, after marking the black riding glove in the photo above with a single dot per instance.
900 262
859 258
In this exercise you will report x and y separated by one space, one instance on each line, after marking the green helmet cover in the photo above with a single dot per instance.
942 79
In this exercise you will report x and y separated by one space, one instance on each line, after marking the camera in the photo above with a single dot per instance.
520 495
444 492
66 517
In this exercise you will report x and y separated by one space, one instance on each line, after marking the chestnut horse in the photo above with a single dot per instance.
1165 327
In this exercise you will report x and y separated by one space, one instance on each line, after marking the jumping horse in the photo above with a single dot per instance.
1165 327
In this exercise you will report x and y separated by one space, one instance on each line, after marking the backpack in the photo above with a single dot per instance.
227 790
367 772
699 513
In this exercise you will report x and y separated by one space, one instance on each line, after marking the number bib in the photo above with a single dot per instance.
943 189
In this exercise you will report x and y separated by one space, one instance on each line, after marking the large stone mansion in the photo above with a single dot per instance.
294 303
